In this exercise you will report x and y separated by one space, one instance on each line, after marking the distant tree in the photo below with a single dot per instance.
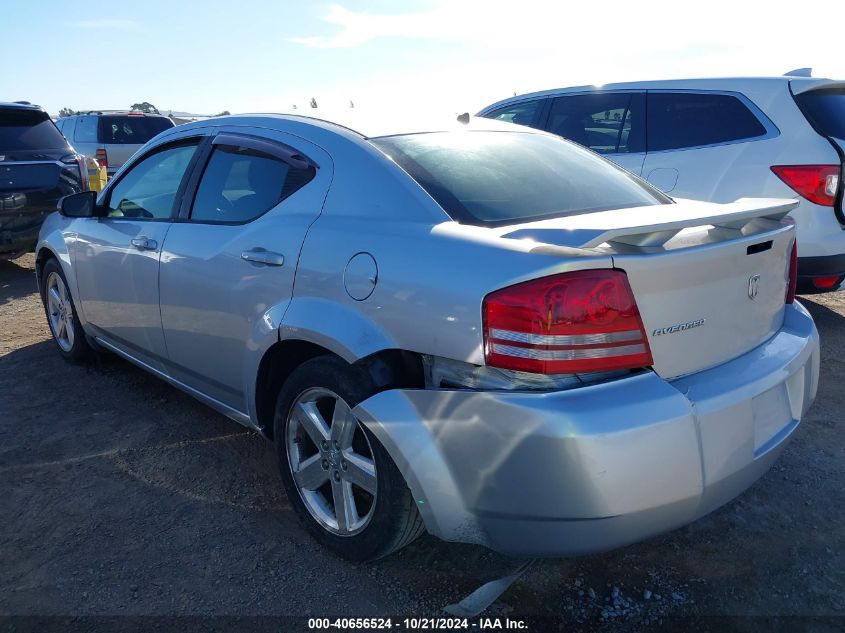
146 106
224 113
313 102
351 104
66 112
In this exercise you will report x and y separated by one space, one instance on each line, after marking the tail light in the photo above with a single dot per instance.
102 158
816 183
827 282
83 172
793 273
578 322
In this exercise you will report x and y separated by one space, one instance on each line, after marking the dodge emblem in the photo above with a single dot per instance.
753 286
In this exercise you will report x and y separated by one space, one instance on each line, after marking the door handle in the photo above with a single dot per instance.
260 256
144 243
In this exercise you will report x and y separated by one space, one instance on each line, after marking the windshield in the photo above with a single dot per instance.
28 130
826 110
495 178
131 129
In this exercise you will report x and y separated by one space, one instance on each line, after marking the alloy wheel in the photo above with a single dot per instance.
332 462
60 311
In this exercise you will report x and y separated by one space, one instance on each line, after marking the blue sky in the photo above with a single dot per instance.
456 55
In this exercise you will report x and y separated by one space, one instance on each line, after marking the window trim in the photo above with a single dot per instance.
634 94
198 140
276 149
540 114
772 131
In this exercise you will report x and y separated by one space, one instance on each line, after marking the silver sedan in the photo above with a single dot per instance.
472 328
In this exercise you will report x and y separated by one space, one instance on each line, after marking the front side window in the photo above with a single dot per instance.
496 178
607 123
240 183
523 113
148 190
678 120
86 130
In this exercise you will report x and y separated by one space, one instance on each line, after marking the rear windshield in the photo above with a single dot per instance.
28 130
130 129
495 178
826 110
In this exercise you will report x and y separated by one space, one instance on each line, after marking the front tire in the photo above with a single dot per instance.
61 314
340 481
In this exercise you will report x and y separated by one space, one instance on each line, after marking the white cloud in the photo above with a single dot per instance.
610 29
535 45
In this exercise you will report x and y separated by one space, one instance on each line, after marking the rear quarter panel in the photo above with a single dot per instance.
432 273
430 285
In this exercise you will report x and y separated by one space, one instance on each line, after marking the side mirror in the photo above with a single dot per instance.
79 205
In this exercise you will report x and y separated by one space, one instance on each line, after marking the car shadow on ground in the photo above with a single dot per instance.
822 315
16 280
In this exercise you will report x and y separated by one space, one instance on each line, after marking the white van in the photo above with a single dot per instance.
718 140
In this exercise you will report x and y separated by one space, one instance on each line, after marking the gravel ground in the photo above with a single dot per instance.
120 495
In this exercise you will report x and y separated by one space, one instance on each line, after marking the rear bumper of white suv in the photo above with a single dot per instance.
597 467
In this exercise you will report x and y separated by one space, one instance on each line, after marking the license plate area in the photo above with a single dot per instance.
773 419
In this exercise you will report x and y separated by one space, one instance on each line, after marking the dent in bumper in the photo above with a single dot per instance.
596 467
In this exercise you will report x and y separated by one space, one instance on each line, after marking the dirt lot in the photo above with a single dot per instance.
119 495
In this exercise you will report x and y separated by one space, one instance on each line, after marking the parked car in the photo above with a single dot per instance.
37 167
111 136
718 140
480 330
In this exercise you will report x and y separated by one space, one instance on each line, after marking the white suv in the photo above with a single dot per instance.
718 140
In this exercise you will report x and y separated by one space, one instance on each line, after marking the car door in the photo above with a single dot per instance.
116 257
696 141
609 123
228 265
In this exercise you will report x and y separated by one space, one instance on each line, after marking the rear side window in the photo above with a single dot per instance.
523 113
607 123
680 120
86 129
239 184
496 178
825 109
28 130
131 129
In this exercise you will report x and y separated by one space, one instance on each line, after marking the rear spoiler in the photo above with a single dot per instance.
799 87
653 226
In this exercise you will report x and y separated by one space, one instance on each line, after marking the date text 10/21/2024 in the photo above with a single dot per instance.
417 624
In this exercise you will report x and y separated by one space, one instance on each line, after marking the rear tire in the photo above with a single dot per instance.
339 479
62 318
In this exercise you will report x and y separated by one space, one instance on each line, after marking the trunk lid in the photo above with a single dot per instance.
709 280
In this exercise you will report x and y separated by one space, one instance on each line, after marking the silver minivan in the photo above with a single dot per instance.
111 136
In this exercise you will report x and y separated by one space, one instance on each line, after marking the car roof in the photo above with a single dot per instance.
117 112
20 105
367 125
738 84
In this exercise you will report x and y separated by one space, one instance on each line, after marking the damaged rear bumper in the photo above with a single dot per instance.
597 467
